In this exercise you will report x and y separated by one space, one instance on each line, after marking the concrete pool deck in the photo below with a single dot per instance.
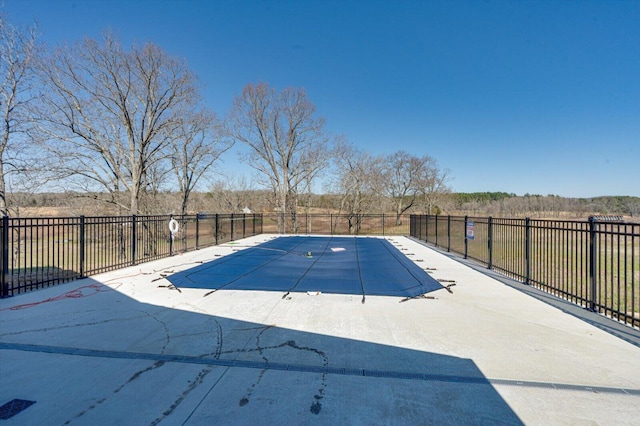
125 347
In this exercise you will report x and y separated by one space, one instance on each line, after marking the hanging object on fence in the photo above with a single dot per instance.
470 231
173 226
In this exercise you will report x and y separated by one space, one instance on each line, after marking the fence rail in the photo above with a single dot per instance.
40 252
337 224
594 263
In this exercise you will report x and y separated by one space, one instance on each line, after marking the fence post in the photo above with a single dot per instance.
172 237
184 220
197 230
426 228
255 217
466 240
414 229
330 223
592 263
383 224
448 233
490 241
4 277
527 250
82 248
436 216
412 225
133 239
244 224
216 228
232 227
261 222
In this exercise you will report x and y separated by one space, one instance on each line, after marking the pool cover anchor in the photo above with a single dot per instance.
419 296
448 287
170 287
209 292
163 275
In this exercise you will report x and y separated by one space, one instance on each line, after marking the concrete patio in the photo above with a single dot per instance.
126 347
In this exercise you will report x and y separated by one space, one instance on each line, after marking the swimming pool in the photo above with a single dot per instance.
339 265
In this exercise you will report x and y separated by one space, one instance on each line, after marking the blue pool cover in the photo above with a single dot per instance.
343 265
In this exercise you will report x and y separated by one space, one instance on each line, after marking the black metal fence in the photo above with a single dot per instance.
594 263
40 252
337 224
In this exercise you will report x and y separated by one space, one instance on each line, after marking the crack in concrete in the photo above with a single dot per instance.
75 325
316 405
134 377
192 385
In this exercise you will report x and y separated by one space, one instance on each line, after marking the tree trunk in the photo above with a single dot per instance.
3 194
133 209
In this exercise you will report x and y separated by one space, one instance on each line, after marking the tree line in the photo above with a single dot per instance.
501 204
123 125
232 197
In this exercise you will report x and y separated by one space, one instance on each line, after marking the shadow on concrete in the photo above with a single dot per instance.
89 354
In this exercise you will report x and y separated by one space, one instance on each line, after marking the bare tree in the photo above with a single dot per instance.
433 184
355 182
197 145
110 113
231 194
631 206
288 144
18 50
401 180
156 196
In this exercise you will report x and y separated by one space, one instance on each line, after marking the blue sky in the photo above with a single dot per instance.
539 97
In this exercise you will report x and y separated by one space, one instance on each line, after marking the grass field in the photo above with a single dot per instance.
553 255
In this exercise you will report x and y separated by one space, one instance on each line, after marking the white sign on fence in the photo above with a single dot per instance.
470 231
